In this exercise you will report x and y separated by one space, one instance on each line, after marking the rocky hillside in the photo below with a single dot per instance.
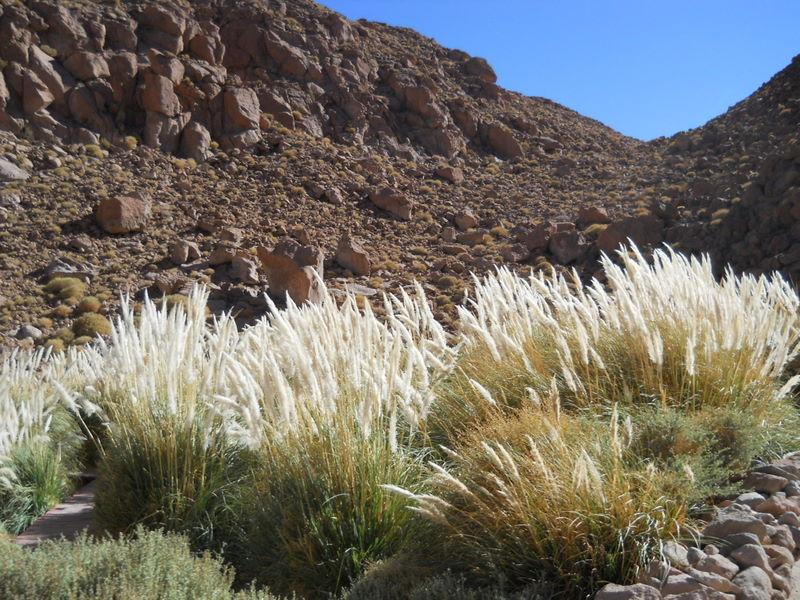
742 175
245 143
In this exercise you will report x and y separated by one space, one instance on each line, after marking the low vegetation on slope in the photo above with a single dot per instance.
552 443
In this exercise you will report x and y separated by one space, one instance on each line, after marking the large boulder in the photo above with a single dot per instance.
734 520
157 94
421 101
501 140
592 215
123 214
86 66
537 238
567 246
480 68
65 33
242 110
288 278
454 175
196 142
351 256
35 94
164 132
51 74
243 269
754 584
207 44
11 172
392 201
290 59
166 66
465 220
646 230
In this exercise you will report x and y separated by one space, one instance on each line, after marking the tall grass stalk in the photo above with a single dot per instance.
662 332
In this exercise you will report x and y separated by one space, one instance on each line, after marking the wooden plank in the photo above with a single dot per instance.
67 519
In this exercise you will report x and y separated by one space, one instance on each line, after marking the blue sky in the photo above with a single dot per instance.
644 67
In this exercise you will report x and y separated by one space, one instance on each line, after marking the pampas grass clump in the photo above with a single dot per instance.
300 444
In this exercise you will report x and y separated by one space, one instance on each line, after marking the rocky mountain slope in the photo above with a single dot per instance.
244 143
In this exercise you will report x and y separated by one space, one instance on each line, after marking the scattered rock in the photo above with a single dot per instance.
465 220
28 332
351 256
637 591
244 269
452 174
567 246
11 172
122 214
392 201
754 584
183 251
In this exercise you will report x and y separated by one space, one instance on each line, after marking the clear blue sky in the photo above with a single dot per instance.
644 67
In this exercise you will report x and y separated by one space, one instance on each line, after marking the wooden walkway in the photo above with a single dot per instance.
67 519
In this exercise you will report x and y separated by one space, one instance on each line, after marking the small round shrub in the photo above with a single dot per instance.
90 304
65 334
91 325
44 323
62 311
595 230
82 340
66 287
55 344
173 300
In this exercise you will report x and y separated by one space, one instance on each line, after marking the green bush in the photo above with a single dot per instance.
152 566
318 514
706 449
